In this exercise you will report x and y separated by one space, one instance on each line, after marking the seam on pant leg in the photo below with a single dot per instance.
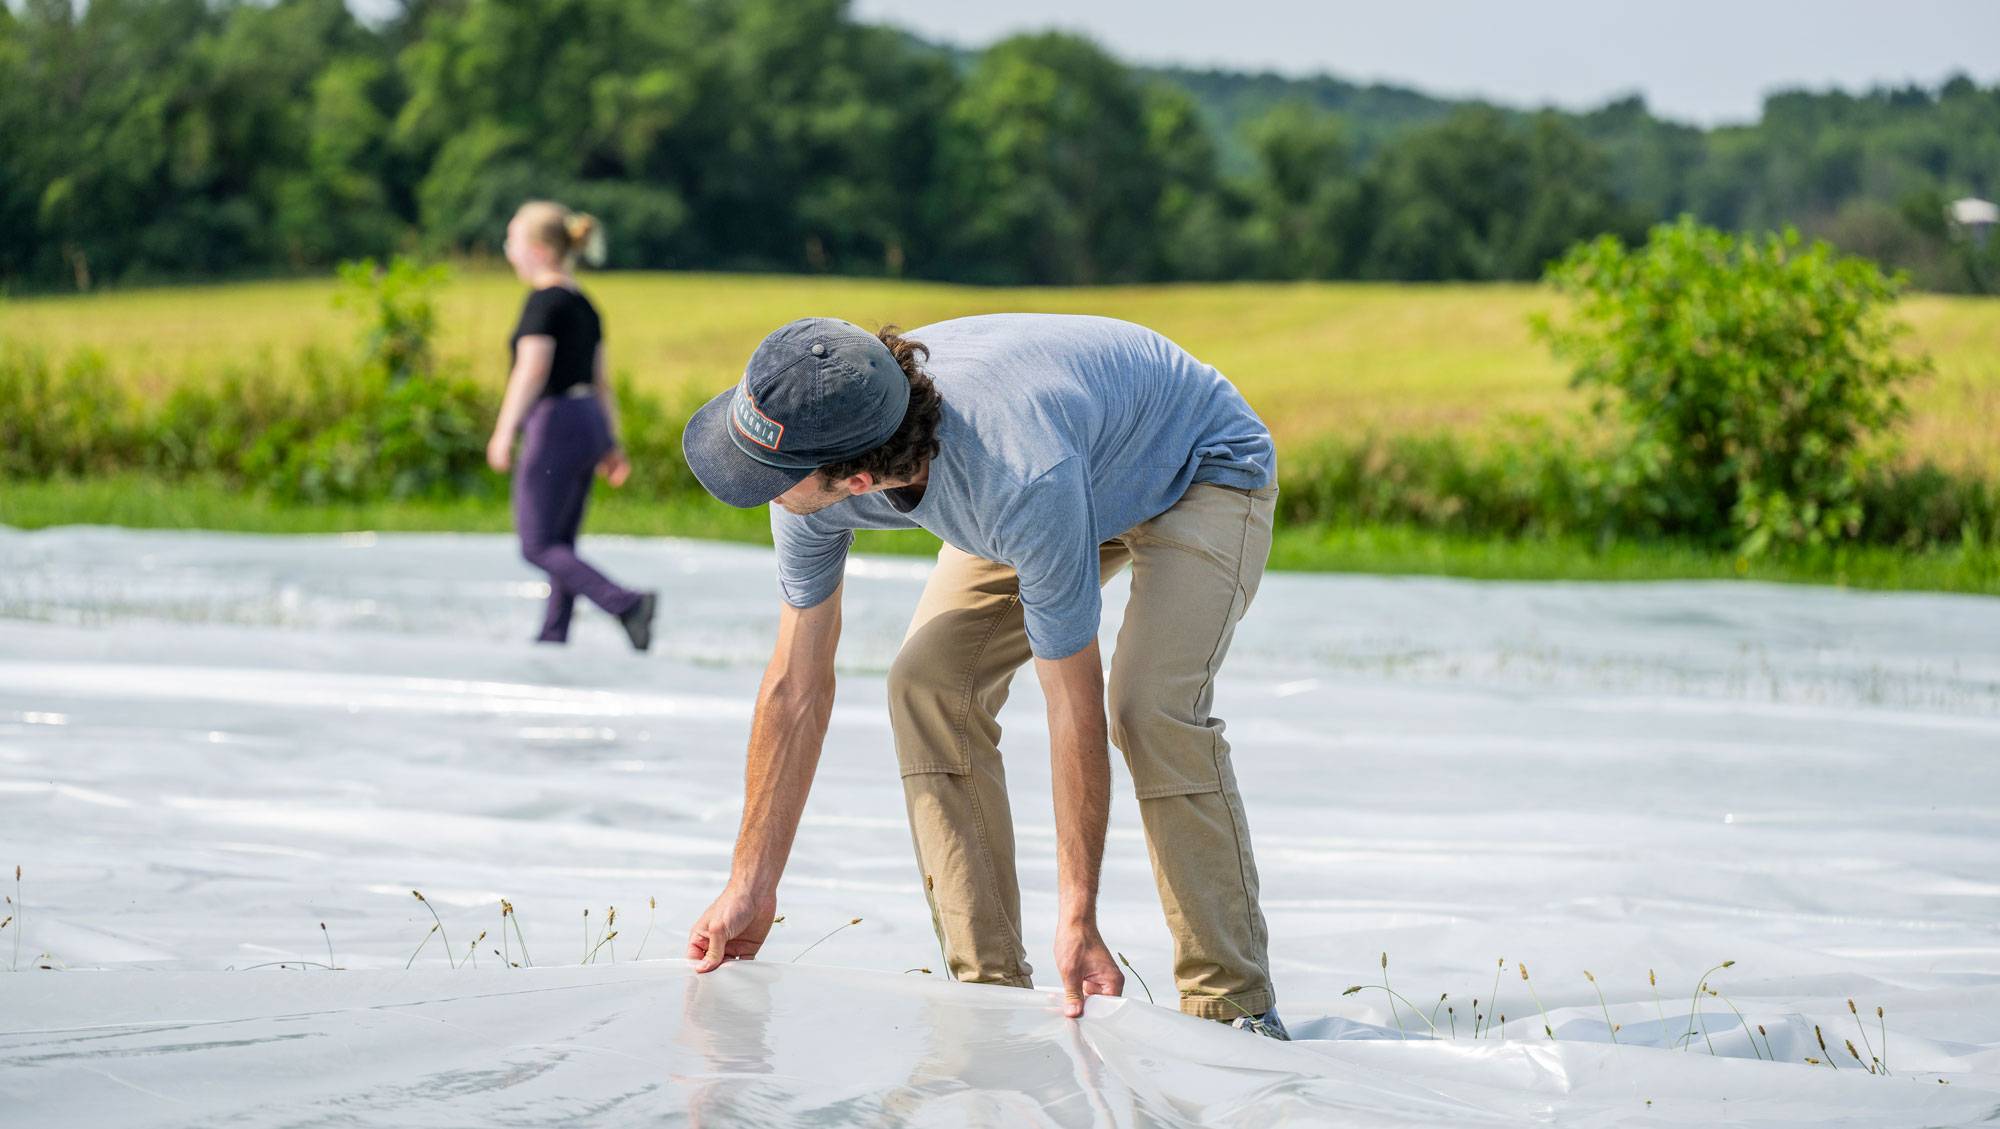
1162 791
1239 604
992 879
979 821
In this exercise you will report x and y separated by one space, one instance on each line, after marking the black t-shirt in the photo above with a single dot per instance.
567 316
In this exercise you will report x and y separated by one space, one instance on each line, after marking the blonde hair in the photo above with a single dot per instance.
571 235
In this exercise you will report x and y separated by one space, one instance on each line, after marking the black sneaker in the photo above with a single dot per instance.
1267 1025
638 621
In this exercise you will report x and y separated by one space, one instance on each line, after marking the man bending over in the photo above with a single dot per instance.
1046 452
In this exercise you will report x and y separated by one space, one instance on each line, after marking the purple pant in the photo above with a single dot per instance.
561 443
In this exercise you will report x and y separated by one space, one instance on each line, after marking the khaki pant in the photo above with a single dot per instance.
1195 569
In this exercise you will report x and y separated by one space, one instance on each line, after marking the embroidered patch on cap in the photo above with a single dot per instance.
757 427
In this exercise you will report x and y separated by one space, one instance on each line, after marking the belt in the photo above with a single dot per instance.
579 391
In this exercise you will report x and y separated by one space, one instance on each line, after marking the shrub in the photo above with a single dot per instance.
377 438
1745 376
650 433
76 420
398 303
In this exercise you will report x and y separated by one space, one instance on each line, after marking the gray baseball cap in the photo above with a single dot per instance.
817 391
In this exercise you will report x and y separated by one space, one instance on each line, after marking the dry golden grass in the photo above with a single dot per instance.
1317 359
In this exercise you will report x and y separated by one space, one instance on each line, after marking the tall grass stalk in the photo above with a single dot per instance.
1394 995
602 941
1608 1025
1136 976
507 911
1536 996
420 947
440 924
1694 1006
822 940
1657 1006
1864 1030
1493 1001
1739 1019
652 915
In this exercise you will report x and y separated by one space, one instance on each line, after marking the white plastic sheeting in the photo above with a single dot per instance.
209 745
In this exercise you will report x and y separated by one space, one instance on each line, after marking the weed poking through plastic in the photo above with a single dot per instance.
440 925
428 934
1535 996
652 914
1858 1026
822 940
1136 976
507 914
1694 1006
1608 1025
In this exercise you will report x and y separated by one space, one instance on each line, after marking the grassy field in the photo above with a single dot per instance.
139 502
1317 360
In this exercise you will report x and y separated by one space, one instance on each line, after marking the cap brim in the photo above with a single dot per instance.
723 469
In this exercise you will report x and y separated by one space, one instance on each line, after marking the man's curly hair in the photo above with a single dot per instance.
915 442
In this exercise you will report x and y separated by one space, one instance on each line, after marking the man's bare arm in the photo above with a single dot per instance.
786 734
1080 764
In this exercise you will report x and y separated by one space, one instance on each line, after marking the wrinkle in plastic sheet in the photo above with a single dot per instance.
806 1047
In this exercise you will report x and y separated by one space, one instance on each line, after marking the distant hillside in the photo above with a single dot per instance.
1231 100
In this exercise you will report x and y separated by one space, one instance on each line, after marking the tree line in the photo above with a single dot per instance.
161 139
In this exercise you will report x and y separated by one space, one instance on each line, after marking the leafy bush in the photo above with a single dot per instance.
650 433
377 438
399 304
1746 376
75 420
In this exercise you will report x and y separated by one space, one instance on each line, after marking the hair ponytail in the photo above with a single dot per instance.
586 237
571 235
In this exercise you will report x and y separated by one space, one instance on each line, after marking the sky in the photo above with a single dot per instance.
1703 61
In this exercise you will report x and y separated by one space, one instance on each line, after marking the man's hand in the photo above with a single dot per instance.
733 928
1084 962
500 451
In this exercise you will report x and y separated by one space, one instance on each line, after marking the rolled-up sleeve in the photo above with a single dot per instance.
812 557
1049 534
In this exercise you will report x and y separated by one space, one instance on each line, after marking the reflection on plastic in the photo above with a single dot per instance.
779 1045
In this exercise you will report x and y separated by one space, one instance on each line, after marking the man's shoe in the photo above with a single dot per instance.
1267 1025
638 621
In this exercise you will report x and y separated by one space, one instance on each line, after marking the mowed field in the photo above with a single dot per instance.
1317 359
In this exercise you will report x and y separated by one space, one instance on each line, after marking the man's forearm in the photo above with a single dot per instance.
1082 770
1080 765
786 735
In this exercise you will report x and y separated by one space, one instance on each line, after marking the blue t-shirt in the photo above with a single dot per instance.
1059 433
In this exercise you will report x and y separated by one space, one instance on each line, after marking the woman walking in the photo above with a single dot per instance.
559 400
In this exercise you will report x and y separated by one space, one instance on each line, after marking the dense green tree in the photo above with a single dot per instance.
158 138
1045 171
1200 231
1480 196
1312 211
